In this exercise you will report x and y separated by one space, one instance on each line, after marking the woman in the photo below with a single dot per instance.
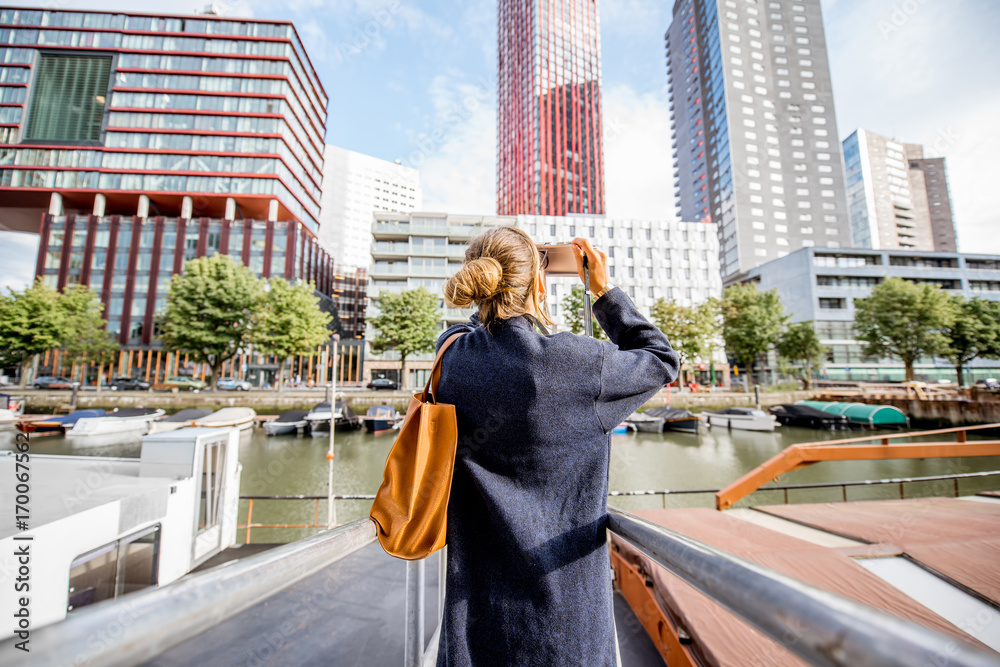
529 579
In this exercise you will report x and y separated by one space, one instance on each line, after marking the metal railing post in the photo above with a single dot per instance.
442 580
414 639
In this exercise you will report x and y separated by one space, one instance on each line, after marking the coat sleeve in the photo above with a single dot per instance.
636 364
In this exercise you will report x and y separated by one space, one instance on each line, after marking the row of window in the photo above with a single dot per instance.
246 105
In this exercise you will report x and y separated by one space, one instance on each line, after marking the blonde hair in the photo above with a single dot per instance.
499 276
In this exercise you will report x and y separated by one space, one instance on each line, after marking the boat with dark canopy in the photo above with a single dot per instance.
287 423
675 419
808 417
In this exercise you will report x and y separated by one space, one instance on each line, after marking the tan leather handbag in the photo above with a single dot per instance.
411 506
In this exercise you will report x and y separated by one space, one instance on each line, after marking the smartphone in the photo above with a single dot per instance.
557 259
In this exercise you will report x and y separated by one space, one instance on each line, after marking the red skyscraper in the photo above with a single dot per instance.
549 113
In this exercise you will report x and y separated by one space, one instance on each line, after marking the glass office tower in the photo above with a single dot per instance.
549 112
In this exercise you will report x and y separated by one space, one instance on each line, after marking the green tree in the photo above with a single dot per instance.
288 322
751 322
572 305
209 310
31 322
799 346
691 330
85 339
407 323
974 333
904 320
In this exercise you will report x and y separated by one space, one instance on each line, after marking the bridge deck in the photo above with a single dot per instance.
351 613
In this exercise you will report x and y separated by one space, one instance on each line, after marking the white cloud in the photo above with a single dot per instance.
638 172
457 159
17 260
922 72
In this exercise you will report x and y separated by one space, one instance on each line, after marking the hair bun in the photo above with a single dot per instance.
478 280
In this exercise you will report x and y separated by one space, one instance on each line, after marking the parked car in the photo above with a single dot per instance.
383 383
988 383
232 384
181 383
128 384
49 382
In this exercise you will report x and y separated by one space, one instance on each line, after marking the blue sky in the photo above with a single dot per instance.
415 82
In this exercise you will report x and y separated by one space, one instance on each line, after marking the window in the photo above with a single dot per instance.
124 566
832 304
630 253
70 98
631 272
611 232
552 230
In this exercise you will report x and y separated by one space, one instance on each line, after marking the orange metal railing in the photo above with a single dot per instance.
806 454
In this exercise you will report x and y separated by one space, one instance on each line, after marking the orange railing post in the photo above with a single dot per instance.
249 518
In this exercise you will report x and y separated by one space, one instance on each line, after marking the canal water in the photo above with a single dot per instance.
290 465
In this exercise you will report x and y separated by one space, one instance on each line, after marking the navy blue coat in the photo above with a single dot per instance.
529 580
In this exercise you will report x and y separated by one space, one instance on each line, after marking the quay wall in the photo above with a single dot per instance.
272 403
942 413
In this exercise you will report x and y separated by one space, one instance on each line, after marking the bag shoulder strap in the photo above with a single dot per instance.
430 389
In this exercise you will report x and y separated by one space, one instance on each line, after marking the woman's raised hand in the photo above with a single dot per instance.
597 263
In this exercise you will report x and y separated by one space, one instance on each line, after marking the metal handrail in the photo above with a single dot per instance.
142 625
820 627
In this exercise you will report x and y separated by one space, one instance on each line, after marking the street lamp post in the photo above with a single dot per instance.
331 512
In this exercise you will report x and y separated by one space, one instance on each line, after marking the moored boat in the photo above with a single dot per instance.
744 419
345 418
241 418
381 418
319 418
287 423
177 420
808 417
676 419
645 423
57 424
862 414
123 420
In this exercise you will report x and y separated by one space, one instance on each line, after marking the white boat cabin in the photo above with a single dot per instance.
101 527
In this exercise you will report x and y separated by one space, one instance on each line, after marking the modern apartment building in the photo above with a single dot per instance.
649 260
134 142
822 284
755 134
355 185
897 198
549 108
411 250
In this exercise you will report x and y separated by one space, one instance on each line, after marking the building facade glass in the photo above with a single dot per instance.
169 106
549 112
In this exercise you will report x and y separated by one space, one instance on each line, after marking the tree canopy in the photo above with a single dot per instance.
85 338
751 321
210 309
904 320
799 345
691 330
407 323
572 305
39 318
974 333
288 321
31 322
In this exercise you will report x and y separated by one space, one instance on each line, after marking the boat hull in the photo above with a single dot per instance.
111 426
687 425
284 428
742 422
376 425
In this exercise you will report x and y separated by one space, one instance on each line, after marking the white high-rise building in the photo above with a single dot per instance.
354 186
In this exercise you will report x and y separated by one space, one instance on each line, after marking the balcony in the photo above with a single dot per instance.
391 230
389 270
